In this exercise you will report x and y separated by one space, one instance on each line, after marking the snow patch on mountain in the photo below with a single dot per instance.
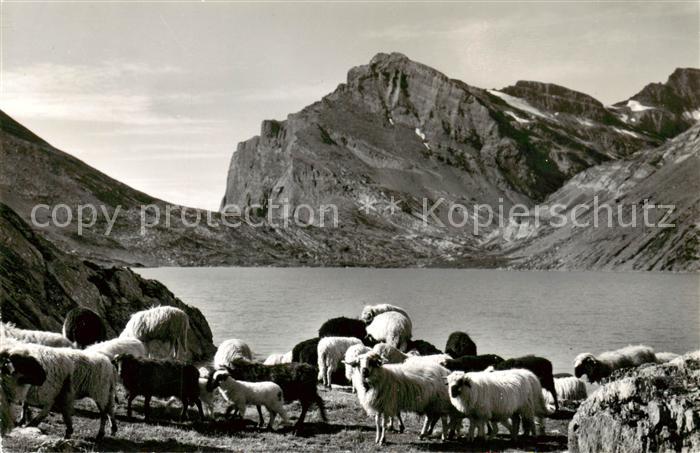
519 104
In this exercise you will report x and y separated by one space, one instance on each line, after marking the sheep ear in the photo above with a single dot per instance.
466 382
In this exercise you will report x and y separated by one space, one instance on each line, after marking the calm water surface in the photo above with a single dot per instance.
552 314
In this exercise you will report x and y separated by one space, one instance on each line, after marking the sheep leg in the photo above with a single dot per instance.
377 421
129 399
147 407
185 406
445 428
401 425
329 373
198 402
426 430
273 414
304 409
260 415
472 425
515 429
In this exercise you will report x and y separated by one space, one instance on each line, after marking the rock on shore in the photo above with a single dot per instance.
651 408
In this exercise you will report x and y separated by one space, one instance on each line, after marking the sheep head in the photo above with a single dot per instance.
456 381
23 368
368 365
585 364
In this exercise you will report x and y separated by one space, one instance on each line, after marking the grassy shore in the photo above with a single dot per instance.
348 429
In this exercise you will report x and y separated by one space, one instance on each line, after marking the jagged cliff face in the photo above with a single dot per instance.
399 129
665 109
402 126
39 284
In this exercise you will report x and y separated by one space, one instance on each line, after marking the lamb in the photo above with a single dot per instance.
422 347
665 357
460 344
469 363
343 327
369 312
351 354
160 325
297 380
17 372
41 337
241 393
162 378
84 327
387 390
230 350
392 327
274 359
570 388
114 347
306 352
602 366
331 351
496 396
541 367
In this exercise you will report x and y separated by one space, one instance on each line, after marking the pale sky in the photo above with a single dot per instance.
158 95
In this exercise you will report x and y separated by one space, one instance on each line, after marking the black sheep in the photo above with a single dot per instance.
459 344
468 363
343 327
84 327
541 367
162 378
306 352
423 347
298 382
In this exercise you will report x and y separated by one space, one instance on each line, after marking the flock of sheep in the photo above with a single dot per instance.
390 372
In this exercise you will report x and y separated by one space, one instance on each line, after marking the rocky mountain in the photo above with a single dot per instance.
39 284
665 109
399 130
395 168
34 172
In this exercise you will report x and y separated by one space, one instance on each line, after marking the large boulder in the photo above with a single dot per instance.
650 408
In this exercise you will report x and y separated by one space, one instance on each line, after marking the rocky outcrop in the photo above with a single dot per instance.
40 284
665 109
652 408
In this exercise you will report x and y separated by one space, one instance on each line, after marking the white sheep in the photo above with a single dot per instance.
393 328
276 359
160 325
351 356
665 357
387 390
602 366
331 352
96 378
114 347
496 396
370 311
437 359
230 350
56 390
241 394
570 388
42 337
